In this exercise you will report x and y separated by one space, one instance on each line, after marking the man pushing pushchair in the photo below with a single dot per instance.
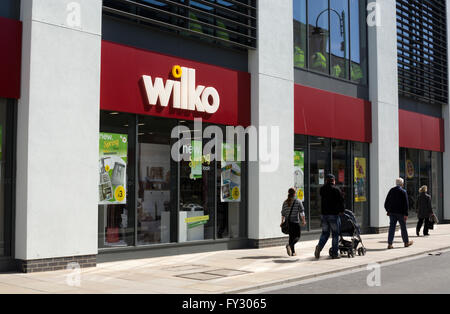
332 208
339 222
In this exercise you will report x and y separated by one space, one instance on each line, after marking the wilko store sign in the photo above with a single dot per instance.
185 93
143 82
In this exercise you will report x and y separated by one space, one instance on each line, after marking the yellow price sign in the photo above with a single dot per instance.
300 195
236 193
120 193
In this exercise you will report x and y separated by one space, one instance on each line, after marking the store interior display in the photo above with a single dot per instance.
154 192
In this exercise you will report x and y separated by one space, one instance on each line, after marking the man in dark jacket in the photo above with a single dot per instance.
332 207
397 207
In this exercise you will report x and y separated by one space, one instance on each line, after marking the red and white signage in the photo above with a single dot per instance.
143 82
185 93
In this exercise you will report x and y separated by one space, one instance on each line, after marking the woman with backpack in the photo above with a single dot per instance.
292 212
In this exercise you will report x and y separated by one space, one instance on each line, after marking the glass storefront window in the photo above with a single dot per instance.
347 161
2 174
420 168
320 166
197 193
155 200
231 180
116 214
300 173
436 190
164 200
341 169
361 182
412 179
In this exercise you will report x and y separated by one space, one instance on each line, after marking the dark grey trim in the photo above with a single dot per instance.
7 264
10 9
410 104
139 36
335 85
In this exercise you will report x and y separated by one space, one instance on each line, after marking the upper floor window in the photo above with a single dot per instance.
422 50
330 37
231 23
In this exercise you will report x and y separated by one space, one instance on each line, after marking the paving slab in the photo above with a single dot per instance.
235 271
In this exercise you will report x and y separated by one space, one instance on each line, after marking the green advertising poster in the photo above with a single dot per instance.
113 157
196 160
299 170
230 174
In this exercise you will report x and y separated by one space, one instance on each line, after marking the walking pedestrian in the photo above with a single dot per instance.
293 211
397 207
424 211
332 208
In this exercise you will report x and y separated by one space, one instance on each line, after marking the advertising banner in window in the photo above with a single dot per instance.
299 177
230 174
360 180
113 168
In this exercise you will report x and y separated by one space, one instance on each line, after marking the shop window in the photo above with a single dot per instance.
421 168
320 166
436 190
156 181
314 158
197 191
231 180
412 179
361 182
301 185
146 197
341 169
3 130
116 212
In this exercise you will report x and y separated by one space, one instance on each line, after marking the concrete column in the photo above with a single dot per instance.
272 73
383 85
58 125
446 155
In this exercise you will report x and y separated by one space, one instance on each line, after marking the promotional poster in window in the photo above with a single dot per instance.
113 168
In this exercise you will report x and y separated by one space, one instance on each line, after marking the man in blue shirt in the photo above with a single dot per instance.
397 207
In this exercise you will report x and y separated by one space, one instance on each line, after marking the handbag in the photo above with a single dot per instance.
432 221
285 225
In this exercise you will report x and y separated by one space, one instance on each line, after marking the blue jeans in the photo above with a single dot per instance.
330 223
394 219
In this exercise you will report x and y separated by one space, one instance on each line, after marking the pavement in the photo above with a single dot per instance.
223 272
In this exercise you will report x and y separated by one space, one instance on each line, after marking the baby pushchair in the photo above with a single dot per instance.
350 228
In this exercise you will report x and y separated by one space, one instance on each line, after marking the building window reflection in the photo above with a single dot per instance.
330 38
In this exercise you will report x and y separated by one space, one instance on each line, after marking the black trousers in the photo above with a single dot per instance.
423 222
294 235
